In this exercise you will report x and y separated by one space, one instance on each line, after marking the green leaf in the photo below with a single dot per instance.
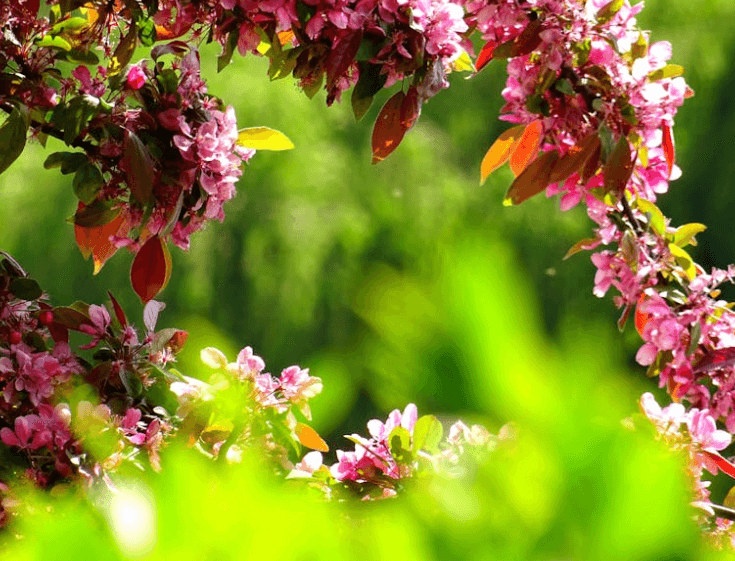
564 86
313 86
371 81
684 235
87 182
399 444
98 213
133 385
427 434
82 57
25 288
54 42
69 162
695 334
147 32
657 219
138 167
263 138
13 136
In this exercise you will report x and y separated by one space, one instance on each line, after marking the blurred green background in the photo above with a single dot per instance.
313 231
405 281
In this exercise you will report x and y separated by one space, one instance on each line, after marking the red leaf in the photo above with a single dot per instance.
721 463
532 180
119 313
718 358
151 269
485 56
500 151
668 144
525 43
619 167
389 130
341 57
410 108
527 147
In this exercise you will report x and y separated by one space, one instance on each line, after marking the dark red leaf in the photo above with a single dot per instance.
70 318
668 145
619 167
389 130
410 108
718 358
341 57
59 333
533 179
119 313
575 158
151 269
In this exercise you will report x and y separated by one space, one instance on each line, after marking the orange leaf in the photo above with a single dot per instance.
532 180
500 151
95 240
575 158
286 37
389 130
151 269
619 167
310 438
527 147
668 144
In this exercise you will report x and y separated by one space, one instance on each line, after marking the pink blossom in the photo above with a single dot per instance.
136 77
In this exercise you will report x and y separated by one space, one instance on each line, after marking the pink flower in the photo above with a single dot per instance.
136 77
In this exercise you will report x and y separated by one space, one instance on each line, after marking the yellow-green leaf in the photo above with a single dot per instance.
684 235
658 222
683 260
263 138
668 71
463 63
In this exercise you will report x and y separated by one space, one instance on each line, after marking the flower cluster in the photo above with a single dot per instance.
400 448
51 432
398 38
594 101
166 161
695 434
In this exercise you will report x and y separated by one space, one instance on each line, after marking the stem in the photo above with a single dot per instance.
724 512
629 214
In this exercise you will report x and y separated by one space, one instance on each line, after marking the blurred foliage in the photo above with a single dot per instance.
576 484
